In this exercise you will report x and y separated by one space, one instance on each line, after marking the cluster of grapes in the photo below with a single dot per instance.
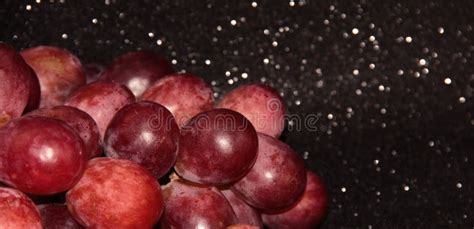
106 137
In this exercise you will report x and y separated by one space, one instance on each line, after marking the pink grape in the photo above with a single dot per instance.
185 95
260 104
195 206
41 156
17 211
59 73
307 213
80 122
138 70
14 84
101 100
277 179
146 133
115 193
216 147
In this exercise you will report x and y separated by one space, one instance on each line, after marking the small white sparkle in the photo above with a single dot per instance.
355 72
372 38
159 42
458 185
462 99
372 66
233 22
343 189
440 30
330 116
275 43
447 81
28 7
207 62
244 75
406 188
266 61
381 88
219 28
174 61
422 62
408 39
355 31
64 36
292 3
151 34
254 4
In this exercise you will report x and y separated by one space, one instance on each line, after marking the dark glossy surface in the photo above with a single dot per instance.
138 70
393 140
115 193
17 210
34 96
185 95
192 206
57 216
260 104
307 213
216 147
101 100
93 72
81 123
277 179
40 155
146 133
59 73
14 87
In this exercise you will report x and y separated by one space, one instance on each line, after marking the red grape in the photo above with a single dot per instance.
138 70
40 155
101 100
14 84
146 133
80 121
260 104
17 211
115 193
216 147
59 73
93 72
34 97
195 206
245 213
185 95
308 212
277 179
57 216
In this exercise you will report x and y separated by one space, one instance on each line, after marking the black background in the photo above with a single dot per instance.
394 142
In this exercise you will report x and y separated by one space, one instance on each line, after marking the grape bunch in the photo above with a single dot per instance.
136 145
